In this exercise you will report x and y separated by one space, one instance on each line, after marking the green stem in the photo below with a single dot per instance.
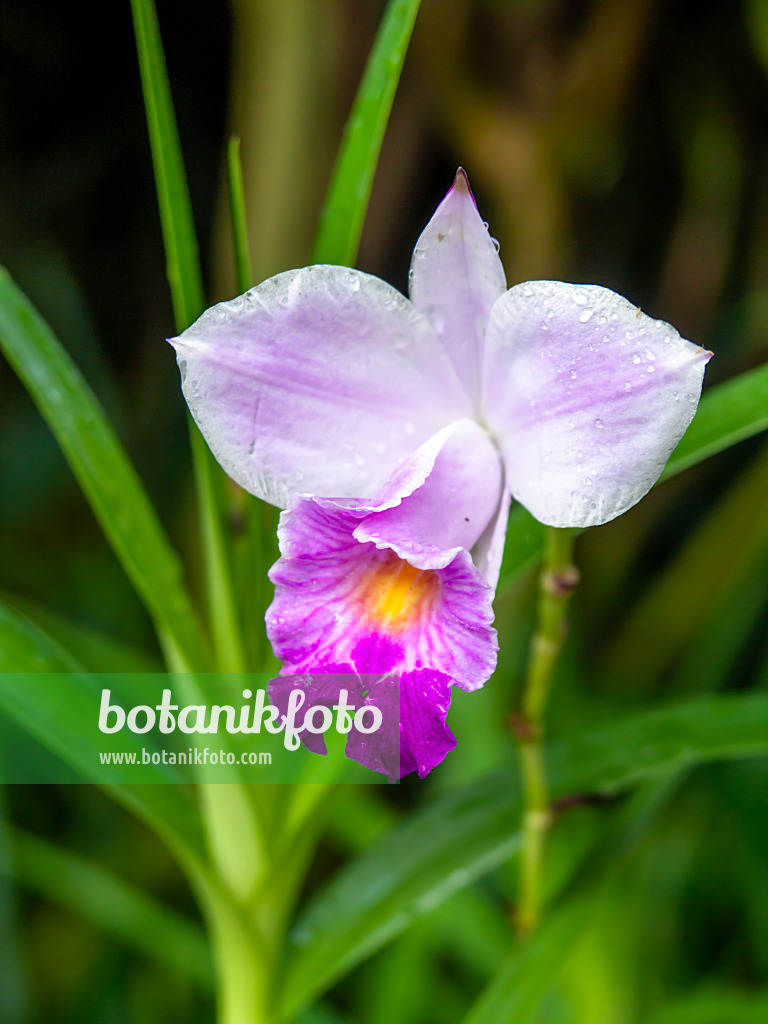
558 579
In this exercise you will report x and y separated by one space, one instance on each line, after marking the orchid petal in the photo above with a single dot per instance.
414 736
322 689
450 510
456 276
488 551
319 380
587 397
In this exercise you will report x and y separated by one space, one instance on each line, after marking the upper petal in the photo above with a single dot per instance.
587 397
456 276
319 380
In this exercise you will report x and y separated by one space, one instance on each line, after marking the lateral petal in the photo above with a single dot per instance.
587 398
319 380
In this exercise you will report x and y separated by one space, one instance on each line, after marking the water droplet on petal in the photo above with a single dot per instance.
528 291
580 298
637 359
585 315
599 424
284 300
573 375
650 368
649 354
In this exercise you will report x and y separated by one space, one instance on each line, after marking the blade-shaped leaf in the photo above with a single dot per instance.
341 223
113 906
101 466
728 413
469 832
181 252
57 718
516 991
185 280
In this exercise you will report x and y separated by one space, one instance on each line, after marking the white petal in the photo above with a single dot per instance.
321 380
456 276
586 396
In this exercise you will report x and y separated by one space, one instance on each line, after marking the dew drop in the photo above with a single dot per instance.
637 359
650 369
573 375
649 354
586 315
284 300
599 424
353 282
627 385
550 314
580 298
588 481
496 245
528 291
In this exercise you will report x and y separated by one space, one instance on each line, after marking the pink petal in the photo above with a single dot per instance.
414 736
586 396
319 380
456 276
399 603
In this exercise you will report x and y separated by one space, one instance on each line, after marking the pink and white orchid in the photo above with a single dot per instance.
394 432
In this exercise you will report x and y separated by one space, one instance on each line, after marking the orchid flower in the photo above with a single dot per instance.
395 431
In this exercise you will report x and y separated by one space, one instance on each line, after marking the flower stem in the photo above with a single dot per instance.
558 579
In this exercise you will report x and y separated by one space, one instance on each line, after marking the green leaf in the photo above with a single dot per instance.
185 280
239 220
114 906
467 833
57 718
514 995
101 466
94 650
341 223
712 1005
735 540
181 252
728 413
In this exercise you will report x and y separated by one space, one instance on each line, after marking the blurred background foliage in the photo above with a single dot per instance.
621 142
